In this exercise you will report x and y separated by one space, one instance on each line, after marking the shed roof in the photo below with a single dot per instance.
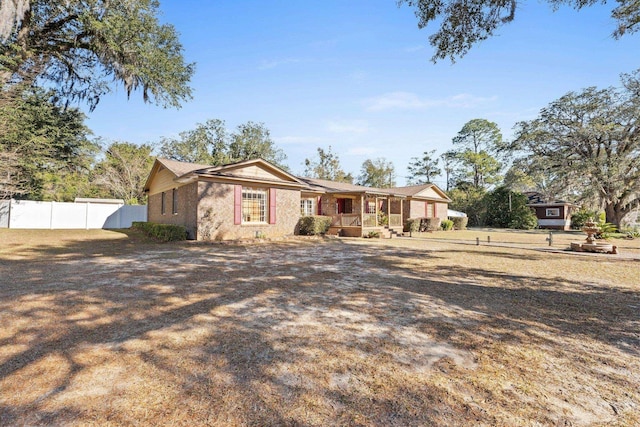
538 199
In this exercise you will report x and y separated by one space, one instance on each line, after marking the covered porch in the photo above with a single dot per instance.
358 215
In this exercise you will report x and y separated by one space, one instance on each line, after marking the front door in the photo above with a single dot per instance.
345 206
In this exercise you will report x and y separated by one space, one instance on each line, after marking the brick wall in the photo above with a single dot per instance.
216 214
187 198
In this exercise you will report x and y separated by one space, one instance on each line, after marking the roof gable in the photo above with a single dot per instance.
250 169
165 171
258 170
423 191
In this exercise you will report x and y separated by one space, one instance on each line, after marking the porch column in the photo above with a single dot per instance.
389 211
361 213
377 211
401 214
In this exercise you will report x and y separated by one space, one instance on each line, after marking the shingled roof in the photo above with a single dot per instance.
326 186
181 168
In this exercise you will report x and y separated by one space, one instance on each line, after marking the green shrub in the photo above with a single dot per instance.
314 225
525 220
412 225
161 232
460 222
606 230
446 224
373 234
383 219
430 224
508 209
422 224
581 216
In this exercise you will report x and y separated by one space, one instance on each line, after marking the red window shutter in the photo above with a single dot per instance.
237 205
319 205
272 206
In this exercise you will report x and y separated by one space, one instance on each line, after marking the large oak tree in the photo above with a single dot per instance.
592 139
464 23
80 47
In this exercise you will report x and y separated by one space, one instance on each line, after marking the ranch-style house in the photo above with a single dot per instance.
255 198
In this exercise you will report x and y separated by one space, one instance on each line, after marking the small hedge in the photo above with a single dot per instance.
412 225
422 224
460 222
161 232
314 225
430 224
446 224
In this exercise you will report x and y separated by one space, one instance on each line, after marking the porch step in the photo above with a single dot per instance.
388 233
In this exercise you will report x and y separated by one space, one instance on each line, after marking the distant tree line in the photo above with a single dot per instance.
583 147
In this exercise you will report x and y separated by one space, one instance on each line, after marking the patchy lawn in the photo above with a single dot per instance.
106 328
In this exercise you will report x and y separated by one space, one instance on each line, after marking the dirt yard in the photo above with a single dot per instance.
105 328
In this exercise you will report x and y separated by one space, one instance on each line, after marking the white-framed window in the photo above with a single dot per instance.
370 207
255 204
308 207
553 212
162 203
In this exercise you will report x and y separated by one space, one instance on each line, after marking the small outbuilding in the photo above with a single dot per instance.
554 214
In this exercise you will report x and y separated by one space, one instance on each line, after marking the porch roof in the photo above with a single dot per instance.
332 187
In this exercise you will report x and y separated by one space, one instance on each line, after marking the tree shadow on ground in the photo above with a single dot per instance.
282 334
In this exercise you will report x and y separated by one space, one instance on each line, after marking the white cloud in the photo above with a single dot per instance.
411 101
348 126
267 65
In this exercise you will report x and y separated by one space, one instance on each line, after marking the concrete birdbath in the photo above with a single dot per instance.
590 245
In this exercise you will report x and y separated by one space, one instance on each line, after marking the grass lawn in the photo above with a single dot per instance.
107 328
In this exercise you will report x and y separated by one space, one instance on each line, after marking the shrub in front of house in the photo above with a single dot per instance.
314 225
430 224
161 232
412 225
460 222
447 225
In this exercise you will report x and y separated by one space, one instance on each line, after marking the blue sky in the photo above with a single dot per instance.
356 75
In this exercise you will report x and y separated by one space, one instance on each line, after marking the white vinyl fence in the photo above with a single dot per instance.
57 215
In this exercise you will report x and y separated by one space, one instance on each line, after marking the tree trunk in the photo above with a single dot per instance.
614 214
